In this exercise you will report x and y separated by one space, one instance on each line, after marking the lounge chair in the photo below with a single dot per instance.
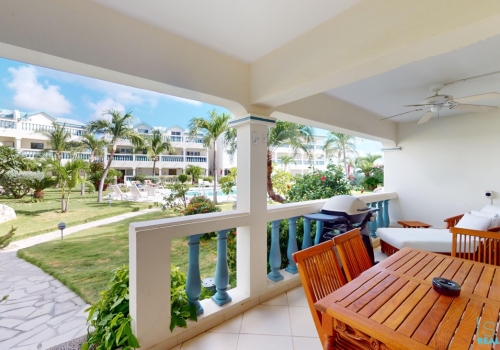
118 194
428 239
137 195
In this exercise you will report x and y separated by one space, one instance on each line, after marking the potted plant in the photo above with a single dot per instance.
38 184
96 171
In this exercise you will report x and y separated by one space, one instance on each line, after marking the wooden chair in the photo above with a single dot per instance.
481 246
320 275
352 253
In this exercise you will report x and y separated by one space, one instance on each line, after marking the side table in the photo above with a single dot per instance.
413 224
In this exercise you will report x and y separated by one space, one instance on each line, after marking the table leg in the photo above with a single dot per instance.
327 323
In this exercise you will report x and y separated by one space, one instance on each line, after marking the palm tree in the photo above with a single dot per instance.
155 146
285 160
68 175
285 133
212 128
95 146
366 164
195 172
118 129
341 146
59 139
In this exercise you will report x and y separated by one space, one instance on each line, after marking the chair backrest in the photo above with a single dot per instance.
135 192
481 246
116 190
320 275
352 253
151 191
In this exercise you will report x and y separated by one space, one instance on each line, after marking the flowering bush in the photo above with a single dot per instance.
319 184
201 205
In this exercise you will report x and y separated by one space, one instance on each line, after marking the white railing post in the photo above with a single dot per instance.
252 239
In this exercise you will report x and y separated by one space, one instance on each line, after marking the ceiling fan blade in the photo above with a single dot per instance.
425 118
392 116
416 105
473 98
474 108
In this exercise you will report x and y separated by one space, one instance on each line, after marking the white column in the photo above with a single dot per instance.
159 171
252 167
18 144
133 171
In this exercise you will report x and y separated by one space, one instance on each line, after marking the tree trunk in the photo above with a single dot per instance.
154 165
270 191
105 174
91 159
67 202
215 173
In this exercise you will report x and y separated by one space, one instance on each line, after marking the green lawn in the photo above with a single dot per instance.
85 260
34 218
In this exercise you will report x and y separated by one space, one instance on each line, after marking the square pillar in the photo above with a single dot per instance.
252 134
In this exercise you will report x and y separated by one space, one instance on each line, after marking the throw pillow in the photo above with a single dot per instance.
472 222
492 216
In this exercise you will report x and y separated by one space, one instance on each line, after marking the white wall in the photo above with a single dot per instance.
444 167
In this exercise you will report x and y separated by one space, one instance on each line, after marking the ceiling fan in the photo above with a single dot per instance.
435 103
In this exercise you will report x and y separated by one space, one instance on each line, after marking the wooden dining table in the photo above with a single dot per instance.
393 306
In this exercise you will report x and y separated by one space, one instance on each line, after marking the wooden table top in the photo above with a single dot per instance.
394 303
413 224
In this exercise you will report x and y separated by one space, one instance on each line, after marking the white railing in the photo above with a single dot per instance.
34 153
196 159
44 128
7 124
150 244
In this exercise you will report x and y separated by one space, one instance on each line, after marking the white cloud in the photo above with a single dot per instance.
99 107
31 95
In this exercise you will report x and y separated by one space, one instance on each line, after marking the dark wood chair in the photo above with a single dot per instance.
352 253
320 275
481 246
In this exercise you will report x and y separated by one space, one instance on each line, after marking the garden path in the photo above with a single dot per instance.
40 311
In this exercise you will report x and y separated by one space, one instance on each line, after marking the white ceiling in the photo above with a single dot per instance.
385 94
243 29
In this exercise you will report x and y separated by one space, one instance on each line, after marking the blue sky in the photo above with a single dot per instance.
30 88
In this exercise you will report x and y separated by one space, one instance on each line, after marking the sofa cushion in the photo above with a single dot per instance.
428 239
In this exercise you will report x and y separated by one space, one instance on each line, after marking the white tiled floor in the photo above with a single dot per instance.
284 323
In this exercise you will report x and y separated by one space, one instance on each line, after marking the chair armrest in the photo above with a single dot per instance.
452 221
494 229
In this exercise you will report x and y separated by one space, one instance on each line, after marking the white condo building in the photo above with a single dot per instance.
20 130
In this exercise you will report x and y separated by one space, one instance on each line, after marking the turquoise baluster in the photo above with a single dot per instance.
319 229
380 216
374 222
372 226
193 280
275 253
307 241
387 222
221 297
292 245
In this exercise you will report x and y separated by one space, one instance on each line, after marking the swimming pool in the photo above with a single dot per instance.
209 192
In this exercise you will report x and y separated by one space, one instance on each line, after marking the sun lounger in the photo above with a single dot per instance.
118 194
137 195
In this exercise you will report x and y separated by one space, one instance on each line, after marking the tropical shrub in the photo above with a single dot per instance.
18 183
201 205
39 183
208 178
12 160
5 239
176 200
282 181
180 308
182 178
226 184
97 170
138 177
231 256
319 184
375 178
109 318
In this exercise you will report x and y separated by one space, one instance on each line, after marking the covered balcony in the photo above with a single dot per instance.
341 68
